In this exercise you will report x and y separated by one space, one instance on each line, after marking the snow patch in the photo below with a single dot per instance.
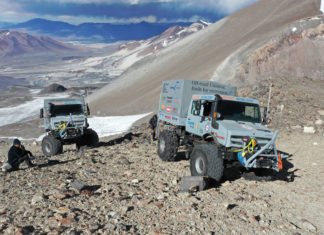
107 126
322 6
23 111
294 29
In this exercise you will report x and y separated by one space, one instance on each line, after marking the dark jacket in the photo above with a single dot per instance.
15 154
153 123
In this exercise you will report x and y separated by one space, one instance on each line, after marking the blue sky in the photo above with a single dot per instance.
119 11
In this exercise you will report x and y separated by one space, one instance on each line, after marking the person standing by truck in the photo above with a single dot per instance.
153 124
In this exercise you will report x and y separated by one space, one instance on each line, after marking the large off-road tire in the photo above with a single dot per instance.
205 161
51 146
90 139
168 145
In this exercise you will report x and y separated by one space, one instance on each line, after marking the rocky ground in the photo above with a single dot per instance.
129 190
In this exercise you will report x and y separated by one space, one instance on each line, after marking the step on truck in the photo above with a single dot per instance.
65 121
214 126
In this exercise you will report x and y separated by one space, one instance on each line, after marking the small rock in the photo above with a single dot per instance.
77 185
63 210
309 226
296 127
94 227
320 112
309 129
67 221
3 210
159 205
175 181
37 198
253 219
135 181
127 208
226 183
4 220
160 197
111 213
60 196
110 226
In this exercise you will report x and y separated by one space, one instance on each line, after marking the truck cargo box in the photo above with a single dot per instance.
176 96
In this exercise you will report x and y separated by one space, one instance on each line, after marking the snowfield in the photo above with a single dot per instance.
107 126
23 112
322 6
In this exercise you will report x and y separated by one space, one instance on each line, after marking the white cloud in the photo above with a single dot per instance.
11 11
78 19
230 6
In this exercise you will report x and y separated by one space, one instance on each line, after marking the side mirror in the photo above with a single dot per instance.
214 120
41 113
88 110
265 119
217 115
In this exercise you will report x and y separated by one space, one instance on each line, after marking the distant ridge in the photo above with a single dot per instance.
13 43
95 32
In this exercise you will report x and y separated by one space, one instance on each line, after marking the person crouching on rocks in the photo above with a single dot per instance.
16 155
153 124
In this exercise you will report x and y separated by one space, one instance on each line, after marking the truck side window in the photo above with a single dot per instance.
195 109
207 108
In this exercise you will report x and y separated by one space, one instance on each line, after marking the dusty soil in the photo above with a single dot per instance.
129 190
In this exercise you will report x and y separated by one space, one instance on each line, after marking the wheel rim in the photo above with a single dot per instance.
48 147
199 165
162 145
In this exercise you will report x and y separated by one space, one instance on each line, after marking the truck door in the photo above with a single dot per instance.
193 117
205 117
199 117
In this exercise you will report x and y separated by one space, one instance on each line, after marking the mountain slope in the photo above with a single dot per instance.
14 43
129 53
96 32
198 56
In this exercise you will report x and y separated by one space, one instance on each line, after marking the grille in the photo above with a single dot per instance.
237 141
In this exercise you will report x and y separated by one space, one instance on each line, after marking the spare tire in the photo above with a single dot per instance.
51 146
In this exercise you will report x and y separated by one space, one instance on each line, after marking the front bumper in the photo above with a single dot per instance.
266 157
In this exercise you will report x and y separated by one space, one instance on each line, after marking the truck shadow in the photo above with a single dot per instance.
55 162
235 171
128 137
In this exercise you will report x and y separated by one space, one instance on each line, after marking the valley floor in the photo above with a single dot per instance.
129 190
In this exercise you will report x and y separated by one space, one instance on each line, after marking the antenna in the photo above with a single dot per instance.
269 98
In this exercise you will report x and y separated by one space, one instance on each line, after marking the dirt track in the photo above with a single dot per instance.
131 191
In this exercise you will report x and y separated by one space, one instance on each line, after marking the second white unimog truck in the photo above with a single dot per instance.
215 126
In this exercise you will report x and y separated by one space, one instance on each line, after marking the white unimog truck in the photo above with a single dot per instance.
215 126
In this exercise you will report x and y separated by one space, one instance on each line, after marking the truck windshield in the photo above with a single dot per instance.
238 111
64 110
